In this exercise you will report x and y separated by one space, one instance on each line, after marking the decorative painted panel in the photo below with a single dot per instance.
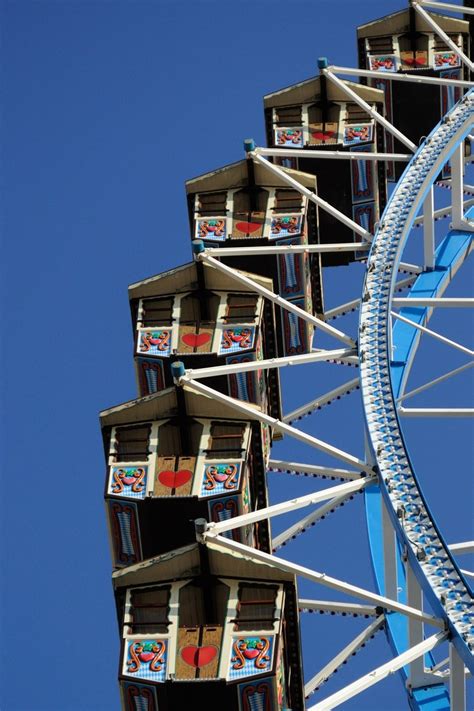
414 60
146 659
139 697
125 533
151 377
362 178
386 86
323 133
189 341
242 385
220 478
235 339
198 650
364 215
128 481
286 226
360 133
248 225
291 137
446 60
211 229
257 696
291 274
156 341
174 476
250 656
224 509
383 63
295 331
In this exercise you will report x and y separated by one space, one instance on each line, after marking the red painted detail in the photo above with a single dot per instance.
194 340
198 656
248 227
146 656
174 480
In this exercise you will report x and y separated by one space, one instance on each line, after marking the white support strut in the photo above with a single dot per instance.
311 470
350 649
339 608
290 248
372 112
278 425
395 76
337 155
324 579
266 364
322 400
276 299
312 196
380 673
215 529
437 29
309 520
438 336
448 6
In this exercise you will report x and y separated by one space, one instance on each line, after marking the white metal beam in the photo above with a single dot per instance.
339 608
337 155
372 112
440 379
311 469
322 400
428 230
304 523
278 425
379 673
462 548
389 553
457 681
441 213
214 529
312 196
355 303
437 29
343 655
436 411
395 76
444 302
290 248
266 364
448 6
276 298
323 579
428 331
457 196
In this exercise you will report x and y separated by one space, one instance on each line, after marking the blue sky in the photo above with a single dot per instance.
109 107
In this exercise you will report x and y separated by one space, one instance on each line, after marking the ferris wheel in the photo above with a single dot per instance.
270 237
412 561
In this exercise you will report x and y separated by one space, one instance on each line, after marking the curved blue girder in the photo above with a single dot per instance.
417 533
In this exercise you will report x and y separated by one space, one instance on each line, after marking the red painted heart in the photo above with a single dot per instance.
129 480
320 136
251 653
194 340
198 656
146 656
248 227
173 480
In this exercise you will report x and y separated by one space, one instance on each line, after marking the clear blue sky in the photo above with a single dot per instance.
108 108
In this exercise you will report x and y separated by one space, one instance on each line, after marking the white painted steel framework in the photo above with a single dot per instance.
430 569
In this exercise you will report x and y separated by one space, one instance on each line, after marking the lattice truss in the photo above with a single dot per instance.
410 547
